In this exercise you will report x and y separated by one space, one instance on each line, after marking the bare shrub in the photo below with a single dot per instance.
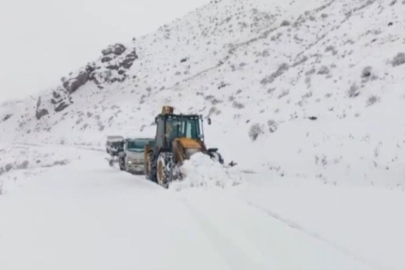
324 70
8 167
271 90
280 71
255 131
398 60
213 110
331 49
284 94
23 165
272 125
285 23
310 72
366 73
238 105
307 95
353 91
372 100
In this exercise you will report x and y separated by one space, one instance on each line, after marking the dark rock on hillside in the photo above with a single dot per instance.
112 67
73 84
129 60
61 106
106 59
60 99
40 112
7 117
116 49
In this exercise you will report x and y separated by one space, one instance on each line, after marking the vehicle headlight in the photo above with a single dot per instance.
129 161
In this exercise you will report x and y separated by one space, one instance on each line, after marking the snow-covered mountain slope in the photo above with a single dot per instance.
305 89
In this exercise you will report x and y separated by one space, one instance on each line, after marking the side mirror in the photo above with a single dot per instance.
209 121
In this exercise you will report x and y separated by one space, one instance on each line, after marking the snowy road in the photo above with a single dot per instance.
86 215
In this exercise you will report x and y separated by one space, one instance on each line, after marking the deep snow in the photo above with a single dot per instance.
87 215
307 98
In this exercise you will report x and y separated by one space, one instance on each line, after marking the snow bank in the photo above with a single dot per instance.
202 172
21 162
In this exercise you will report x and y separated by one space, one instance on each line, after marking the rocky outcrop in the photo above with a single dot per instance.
116 49
111 67
60 99
40 112
76 82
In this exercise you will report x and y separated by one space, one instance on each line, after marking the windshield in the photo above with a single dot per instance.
137 144
183 128
117 144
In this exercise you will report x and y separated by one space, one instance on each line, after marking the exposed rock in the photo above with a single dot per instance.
55 94
40 112
119 49
129 60
107 51
7 117
113 67
106 59
116 49
61 107
73 84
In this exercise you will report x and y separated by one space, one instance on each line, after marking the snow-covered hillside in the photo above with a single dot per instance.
307 89
305 96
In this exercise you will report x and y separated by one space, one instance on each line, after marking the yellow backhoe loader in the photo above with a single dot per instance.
178 137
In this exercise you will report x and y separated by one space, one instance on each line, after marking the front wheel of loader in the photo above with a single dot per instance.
163 170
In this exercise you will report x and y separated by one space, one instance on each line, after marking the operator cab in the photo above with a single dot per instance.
171 126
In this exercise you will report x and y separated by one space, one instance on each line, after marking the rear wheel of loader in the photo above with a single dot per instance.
148 165
153 167
163 170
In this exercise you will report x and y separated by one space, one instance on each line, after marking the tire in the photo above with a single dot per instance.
153 167
163 172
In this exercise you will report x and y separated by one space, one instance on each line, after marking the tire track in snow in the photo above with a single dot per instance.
236 258
294 225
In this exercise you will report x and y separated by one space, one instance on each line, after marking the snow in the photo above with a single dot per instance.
200 171
87 215
306 97
233 51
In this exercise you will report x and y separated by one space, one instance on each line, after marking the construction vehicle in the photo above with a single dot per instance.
178 137
131 159
114 146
